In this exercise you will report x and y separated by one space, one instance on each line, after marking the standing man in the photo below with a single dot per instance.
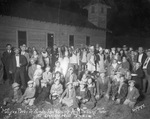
18 67
141 56
6 58
146 68
23 52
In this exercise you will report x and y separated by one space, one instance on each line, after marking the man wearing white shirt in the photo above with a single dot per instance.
141 55
17 68
146 68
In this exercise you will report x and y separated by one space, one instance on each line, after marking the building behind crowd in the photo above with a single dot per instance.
41 26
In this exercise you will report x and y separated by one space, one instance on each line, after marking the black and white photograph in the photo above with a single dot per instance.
74 59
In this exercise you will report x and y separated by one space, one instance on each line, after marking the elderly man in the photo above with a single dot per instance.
17 67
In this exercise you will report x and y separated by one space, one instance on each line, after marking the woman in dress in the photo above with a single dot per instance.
91 60
65 64
100 64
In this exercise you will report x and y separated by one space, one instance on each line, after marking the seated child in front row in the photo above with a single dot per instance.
133 94
69 96
14 95
43 93
29 95
83 96
56 89
122 91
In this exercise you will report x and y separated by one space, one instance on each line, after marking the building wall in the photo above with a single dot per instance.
37 33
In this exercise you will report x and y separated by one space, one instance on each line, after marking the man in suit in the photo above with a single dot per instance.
18 67
6 58
141 55
137 75
146 68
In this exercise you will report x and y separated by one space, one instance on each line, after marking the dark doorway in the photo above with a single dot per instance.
22 38
71 40
87 40
50 40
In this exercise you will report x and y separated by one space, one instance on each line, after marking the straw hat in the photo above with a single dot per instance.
30 82
131 81
43 81
14 85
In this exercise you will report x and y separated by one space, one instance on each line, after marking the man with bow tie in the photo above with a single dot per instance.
146 68
6 58
18 67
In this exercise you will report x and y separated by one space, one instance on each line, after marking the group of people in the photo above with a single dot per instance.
75 77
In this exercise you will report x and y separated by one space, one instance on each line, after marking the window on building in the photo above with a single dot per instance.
71 40
22 38
92 9
102 10
87 40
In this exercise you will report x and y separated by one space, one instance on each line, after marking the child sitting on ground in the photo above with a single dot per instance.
69 96
82 95
29 95
133 94
14 95
92 89
122 91
56 89
43 94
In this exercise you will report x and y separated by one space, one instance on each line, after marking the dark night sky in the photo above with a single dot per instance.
129 20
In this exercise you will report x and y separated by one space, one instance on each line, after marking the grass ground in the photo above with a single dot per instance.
104 110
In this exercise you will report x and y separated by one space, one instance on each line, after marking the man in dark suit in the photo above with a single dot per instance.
18 67
137 75
6 58
141 55
146 68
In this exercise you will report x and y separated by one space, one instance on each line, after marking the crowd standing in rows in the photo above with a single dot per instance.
75 77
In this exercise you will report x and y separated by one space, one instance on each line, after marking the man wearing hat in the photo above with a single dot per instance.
146 68
18 67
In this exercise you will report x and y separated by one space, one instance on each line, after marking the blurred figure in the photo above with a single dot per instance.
141 55
6 58
1 71
146 68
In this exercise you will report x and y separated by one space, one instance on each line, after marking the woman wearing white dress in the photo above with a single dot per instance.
100 64
91 60
65 64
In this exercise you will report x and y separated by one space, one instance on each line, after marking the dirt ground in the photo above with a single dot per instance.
104 110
